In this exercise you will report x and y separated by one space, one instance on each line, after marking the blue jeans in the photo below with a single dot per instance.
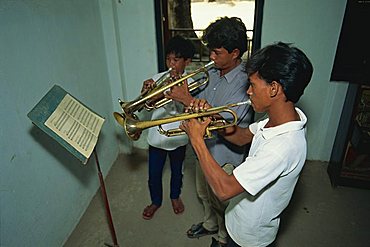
157 159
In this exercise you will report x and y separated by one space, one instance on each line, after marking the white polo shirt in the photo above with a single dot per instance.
268 175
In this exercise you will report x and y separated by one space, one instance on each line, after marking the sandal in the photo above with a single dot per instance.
149 211
177 205
197 231
216 243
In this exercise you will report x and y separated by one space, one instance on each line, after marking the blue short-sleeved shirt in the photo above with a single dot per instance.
220 91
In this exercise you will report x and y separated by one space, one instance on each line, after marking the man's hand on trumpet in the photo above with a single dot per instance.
196 128
147 85
180 94
197 105
201 105
174 74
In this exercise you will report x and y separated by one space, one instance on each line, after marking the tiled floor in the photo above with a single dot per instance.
318 215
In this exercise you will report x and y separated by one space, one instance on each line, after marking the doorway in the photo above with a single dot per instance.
190 17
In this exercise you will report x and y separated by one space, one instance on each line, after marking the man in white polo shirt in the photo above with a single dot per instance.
261 187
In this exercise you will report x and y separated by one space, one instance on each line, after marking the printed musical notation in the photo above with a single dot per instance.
76 124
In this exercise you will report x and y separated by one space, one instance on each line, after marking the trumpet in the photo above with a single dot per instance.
133 127
145 100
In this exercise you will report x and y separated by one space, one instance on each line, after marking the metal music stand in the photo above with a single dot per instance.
106 203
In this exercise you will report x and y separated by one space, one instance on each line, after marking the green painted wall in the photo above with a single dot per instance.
314 26
44 190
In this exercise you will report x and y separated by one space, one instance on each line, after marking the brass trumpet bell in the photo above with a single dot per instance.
128 123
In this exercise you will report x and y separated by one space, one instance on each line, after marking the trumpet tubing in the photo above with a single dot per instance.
145 100
134 127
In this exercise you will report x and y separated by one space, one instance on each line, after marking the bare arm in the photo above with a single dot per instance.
223 185
237 135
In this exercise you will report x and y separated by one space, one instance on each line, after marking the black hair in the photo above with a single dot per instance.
227 32
181 47
285 64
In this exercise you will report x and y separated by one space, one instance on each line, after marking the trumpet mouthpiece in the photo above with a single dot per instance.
247 102
211 63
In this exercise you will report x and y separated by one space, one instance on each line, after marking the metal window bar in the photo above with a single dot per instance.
199 57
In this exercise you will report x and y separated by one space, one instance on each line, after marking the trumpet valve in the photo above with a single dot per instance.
208 134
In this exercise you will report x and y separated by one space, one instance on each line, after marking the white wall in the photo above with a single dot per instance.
313 26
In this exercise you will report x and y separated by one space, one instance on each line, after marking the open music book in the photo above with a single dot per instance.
76 124
68 121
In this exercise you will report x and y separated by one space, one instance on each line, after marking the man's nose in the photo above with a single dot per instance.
172 63
249 91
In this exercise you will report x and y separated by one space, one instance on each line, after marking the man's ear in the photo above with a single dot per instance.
187 61
235 53
274 88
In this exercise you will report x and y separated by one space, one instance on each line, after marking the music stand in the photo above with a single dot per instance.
76 128
106 202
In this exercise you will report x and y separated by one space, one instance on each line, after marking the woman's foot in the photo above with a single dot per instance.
149 211
177 205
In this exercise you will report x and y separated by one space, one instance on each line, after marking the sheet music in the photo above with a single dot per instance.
76 124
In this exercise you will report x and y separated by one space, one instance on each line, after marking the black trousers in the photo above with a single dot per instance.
231 243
